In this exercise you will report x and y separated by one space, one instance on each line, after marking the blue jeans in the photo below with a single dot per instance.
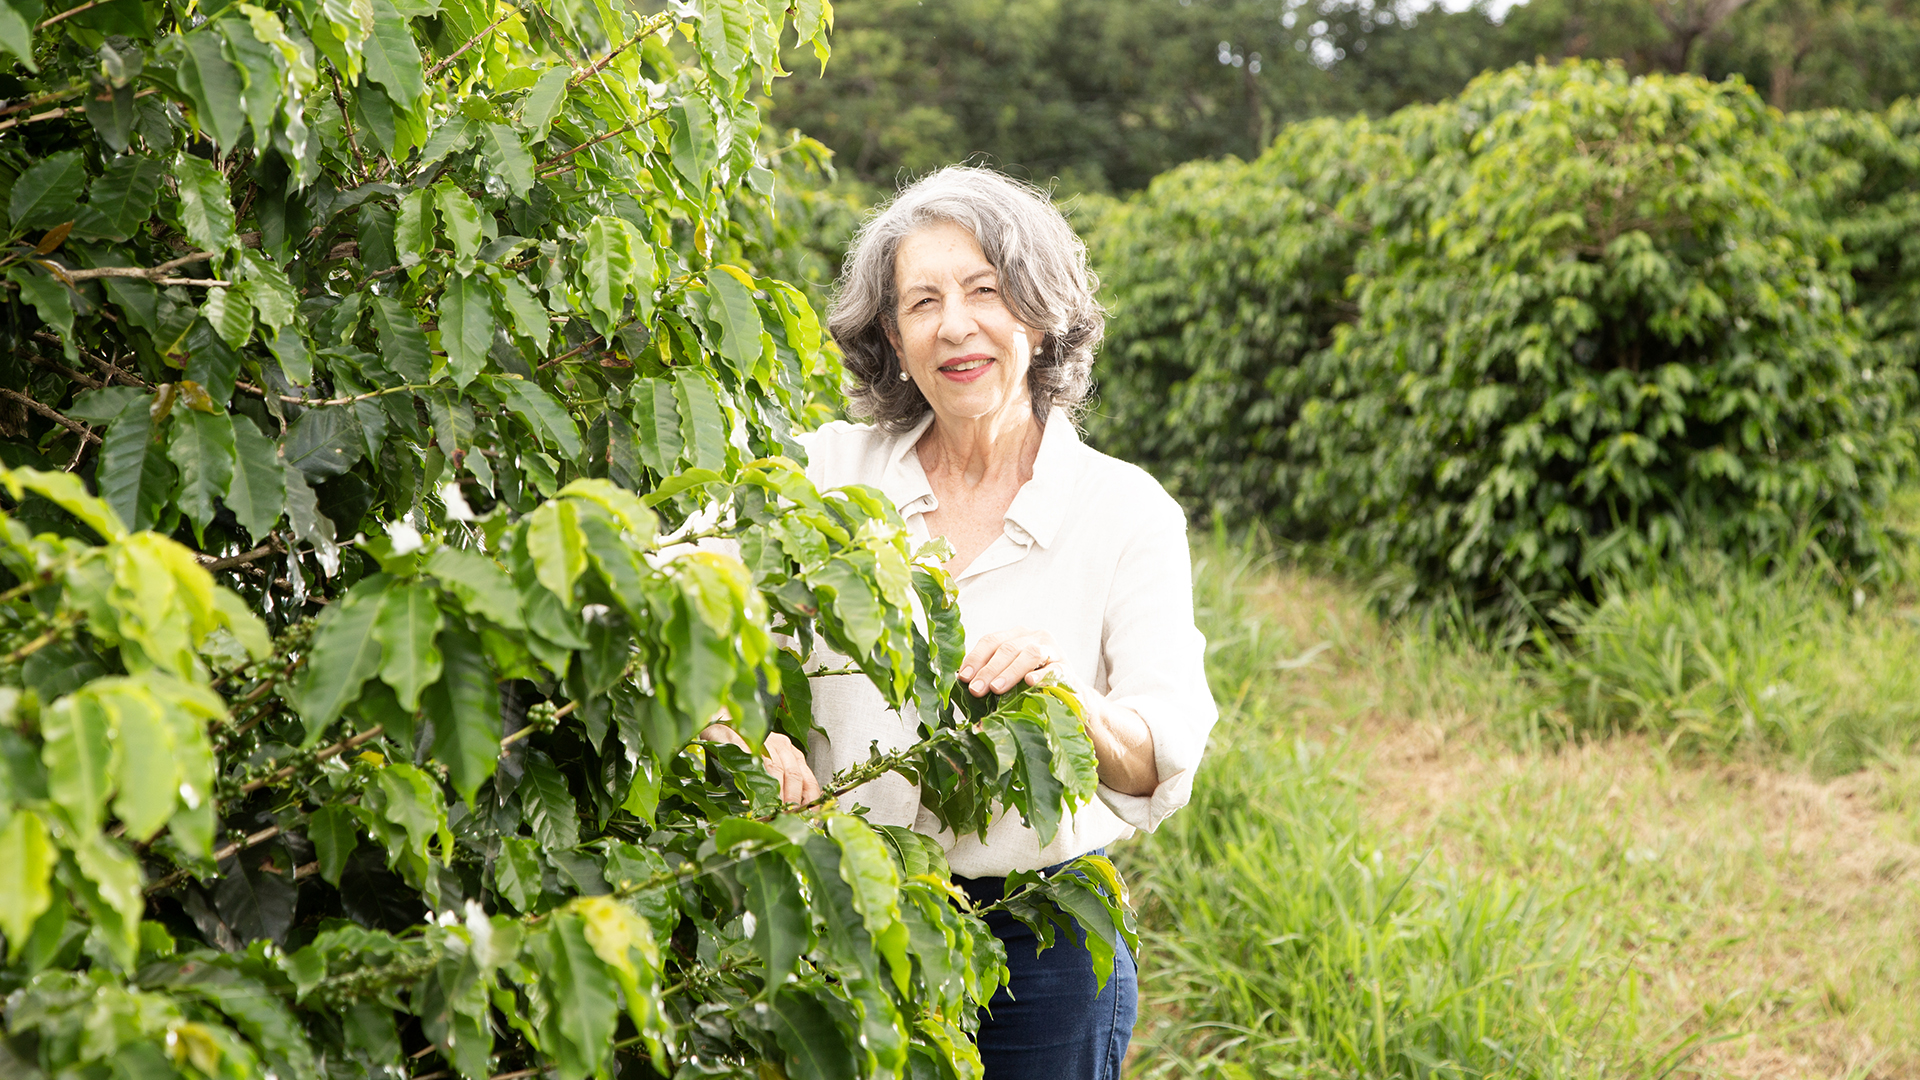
1049 1023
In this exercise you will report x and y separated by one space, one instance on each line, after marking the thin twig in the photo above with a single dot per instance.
336 749
53 634
55 114
64 421
435 71
595 141
204 283
151 273
311 403
242 559
47 98
69 13
82 378
650 26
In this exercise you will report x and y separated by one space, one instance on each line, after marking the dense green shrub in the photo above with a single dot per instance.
1560 323
365 368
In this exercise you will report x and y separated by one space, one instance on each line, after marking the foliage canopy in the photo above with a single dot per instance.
369 369
1560 324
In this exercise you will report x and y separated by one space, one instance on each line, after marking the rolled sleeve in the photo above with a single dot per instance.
1155 661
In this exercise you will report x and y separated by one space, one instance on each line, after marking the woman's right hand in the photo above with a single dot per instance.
783 759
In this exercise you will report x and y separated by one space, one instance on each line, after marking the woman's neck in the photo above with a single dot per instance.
977 450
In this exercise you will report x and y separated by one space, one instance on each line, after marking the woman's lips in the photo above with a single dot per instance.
966 369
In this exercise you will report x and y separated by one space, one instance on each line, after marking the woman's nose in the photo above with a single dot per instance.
956 322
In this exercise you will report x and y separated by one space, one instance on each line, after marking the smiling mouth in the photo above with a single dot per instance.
969 364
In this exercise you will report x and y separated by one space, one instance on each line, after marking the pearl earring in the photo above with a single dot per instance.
1037 349
904 377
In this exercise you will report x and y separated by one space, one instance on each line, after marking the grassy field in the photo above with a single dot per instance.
1686 842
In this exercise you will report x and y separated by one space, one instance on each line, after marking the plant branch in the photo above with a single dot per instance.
63 420
150 273
69 13
82 378
405 388
47 98
55 114
434 72
595 141
649 26
242 559
61 626
323 754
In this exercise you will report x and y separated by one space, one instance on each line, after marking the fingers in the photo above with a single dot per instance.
1002 660
725 734
798 785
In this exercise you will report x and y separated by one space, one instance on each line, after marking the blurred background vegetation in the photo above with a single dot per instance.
1106 94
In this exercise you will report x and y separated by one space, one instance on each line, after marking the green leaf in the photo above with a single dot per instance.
325 441
545 416
391 57
121 200
29 856
413 234
345 653
516 873
480 584
203 448
230 314
866 866
403 345
558 549
581 1001
548 805
51 299
268 288
451 137
781 924
544 101
48 193
460 217
702 424
146 767
528 315
114 900
67 492
16 36
816 1047
77 753
257 491
656 424
508 158
465 709
607 265
853 600
466 327
215 88
206 207
133 473
733 308
334 834
408 622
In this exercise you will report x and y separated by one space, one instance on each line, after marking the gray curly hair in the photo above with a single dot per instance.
1044 280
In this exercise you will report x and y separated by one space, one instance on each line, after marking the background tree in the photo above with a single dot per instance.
369 370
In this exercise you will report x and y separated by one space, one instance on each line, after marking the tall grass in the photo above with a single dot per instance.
1281 942
1713 656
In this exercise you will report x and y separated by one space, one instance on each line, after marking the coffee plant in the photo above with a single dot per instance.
397 473
1565 323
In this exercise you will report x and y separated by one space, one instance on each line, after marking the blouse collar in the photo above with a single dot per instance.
1040 507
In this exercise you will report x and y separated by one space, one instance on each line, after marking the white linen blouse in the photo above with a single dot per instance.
1094 551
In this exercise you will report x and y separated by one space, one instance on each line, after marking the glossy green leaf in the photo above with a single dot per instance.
558 549
392 59
546 416
413 232
257 489
656 424
121 199
579 992
49 192
146 767
134 476
781 927
407 626
202 447
51 300
702 425
548 805
464 707
816 1047
466 327
77 755
516 872
508 157
733 308
544 102
206 207
214 85
29 856
334 834
345 654
460 217
696 144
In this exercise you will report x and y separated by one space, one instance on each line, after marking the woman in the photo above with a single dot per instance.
966 318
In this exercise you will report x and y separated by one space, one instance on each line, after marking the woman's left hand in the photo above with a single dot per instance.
1002 659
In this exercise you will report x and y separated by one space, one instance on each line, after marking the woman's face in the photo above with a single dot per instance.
953 332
